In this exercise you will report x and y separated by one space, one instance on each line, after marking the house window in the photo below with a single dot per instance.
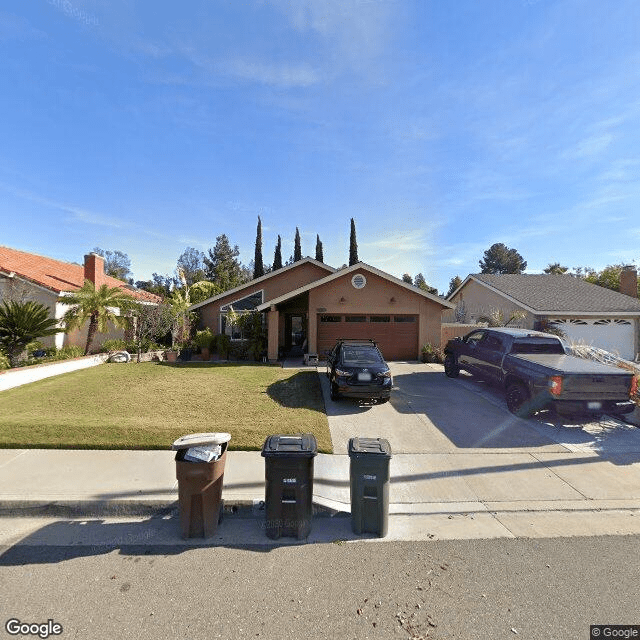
380 319
330 318
232 330
404 318
248 303
355 319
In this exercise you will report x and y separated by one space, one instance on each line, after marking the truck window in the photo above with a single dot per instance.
537 346
492 342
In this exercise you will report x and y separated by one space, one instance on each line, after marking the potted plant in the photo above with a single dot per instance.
203 340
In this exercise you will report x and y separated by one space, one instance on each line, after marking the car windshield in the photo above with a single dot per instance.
538 346
356 356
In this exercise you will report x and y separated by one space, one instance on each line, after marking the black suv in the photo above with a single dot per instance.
356 369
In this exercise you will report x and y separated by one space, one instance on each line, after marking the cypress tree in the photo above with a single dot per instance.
353 245
258 266
277 257
319 252
297 249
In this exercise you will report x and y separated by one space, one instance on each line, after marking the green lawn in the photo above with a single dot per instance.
149 405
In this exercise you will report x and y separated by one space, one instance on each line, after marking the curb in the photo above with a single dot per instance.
132 508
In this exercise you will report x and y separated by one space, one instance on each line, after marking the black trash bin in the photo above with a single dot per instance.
288 463
369 482
200 482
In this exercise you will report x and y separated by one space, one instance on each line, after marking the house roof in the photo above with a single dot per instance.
356 267
57 276
256 281
555 294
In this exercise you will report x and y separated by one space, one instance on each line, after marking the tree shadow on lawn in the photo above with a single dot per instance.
299 391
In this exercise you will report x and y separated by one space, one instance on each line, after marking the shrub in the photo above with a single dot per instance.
204 338
66 353
431 353
116 344
4 361
222 344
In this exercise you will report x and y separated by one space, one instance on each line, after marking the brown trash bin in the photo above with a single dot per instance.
200 484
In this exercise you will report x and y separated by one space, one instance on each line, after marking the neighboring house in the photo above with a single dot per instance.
310 304
27 276
586 313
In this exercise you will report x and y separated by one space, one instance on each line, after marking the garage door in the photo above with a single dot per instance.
396 335
614 335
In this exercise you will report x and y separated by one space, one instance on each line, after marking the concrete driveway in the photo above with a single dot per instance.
430 413
464 466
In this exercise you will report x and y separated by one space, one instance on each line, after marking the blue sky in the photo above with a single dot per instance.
441 127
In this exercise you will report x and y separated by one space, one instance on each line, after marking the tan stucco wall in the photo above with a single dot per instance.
479 300
276 285
376 297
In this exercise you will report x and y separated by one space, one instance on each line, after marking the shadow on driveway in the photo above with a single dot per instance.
472 413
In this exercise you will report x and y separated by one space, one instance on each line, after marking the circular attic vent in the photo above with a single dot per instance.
359 281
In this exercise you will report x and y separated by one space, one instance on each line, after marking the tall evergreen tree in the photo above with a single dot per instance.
223 266
353 245
319 252
454 283
277 256
258 266
499 259
297 249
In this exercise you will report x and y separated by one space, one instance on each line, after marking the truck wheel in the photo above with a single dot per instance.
451 368
518 400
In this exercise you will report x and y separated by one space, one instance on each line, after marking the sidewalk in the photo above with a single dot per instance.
432 496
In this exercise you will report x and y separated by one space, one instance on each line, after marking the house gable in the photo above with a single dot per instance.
267 287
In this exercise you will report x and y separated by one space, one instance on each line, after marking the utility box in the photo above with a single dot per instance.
369 483
288 462
200 460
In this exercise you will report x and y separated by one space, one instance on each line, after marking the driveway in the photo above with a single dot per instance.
464 466
430 413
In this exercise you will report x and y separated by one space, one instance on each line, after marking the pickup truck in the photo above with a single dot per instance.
536 373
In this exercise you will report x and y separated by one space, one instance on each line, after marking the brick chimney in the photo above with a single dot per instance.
629 281
94 269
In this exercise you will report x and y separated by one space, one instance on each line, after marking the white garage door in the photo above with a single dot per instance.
616 336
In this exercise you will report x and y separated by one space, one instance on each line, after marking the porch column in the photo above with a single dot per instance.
273 326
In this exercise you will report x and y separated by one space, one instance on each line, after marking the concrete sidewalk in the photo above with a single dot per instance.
442 496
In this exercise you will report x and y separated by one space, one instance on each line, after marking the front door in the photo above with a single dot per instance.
295 332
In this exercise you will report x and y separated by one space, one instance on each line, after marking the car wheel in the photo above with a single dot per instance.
334 391
451 368
518 400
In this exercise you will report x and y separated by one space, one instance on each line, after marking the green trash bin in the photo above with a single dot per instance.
369 483
288 463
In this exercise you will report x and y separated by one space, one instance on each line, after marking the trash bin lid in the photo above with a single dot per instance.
368 447
200 440
300 445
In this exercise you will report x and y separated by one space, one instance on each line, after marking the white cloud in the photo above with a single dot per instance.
279 75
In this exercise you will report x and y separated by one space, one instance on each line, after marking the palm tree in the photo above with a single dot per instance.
21 323
97 306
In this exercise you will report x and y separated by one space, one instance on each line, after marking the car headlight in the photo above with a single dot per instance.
341 373
386 374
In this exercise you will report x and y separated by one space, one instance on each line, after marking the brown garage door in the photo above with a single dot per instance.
396 335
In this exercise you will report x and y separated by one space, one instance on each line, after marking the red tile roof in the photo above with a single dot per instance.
56 275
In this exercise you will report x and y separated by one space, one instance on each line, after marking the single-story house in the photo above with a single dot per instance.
27 276
309 305
586 313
